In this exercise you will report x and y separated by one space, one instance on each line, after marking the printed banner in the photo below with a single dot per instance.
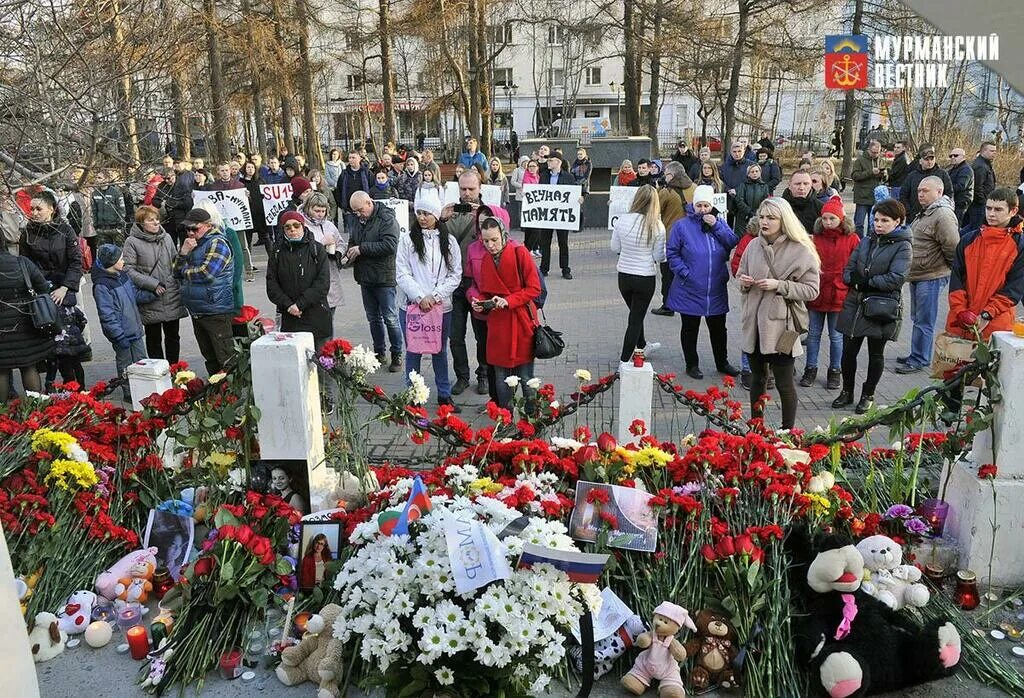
551 206
625 511
619 201
476 555
401 209
275 200
231 204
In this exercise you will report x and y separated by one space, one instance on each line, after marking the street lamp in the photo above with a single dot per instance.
617 89
510 92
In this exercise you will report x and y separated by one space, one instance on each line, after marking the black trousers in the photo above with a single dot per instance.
666 282
163 341
531 238
785 383
545 250
876 362
483 368
637 291
688 332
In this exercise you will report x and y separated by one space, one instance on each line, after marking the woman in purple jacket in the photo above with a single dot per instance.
698 254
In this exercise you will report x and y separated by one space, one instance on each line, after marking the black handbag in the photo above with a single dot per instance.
881 308
44 312
547 342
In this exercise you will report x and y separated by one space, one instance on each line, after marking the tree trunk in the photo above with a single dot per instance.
454 66
632 77
473 117
654 112
738 50
311 134
218 103
182 138
259 116
124 88
387 73
850 104
285 103
483 72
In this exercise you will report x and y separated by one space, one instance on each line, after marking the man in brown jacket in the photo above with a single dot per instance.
674 196
935 234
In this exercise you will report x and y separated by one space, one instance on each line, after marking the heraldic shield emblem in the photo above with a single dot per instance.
846 62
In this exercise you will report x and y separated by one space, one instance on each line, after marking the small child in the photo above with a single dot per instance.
117 301
382 188
881 193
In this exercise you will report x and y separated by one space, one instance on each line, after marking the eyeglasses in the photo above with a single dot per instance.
191 228
955 155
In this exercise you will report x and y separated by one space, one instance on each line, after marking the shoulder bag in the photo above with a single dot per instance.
547 342
882 309
45 316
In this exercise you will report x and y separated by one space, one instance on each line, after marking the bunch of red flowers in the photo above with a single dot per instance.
741 546
96 520
335 347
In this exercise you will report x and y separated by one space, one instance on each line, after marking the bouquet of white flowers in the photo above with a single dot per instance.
413 628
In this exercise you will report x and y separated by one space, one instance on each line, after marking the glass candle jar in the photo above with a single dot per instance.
231 664
129 617
1018 327
934 512
934 574
638 358
966 595
162 582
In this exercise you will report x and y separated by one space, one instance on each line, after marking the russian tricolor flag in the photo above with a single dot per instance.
582 568
393 524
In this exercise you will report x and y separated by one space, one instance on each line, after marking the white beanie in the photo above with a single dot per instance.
428 201
703 193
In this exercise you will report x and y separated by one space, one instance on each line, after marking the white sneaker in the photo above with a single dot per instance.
651 349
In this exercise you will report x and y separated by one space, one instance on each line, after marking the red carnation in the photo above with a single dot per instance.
988 470
598 495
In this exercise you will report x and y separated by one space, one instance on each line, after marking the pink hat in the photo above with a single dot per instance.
835 207
677 614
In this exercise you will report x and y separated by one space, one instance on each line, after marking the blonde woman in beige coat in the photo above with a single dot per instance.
778 274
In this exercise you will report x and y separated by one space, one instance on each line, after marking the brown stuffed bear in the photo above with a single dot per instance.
713 651
317 658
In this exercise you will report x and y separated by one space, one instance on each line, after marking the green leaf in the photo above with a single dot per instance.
412 689
227 570
224 517
752 572
282 566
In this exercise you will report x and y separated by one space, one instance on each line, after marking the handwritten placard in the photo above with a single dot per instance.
551 206
401 209
275 200
620 199
231 204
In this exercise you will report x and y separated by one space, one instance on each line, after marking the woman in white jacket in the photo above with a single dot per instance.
429 270
639 239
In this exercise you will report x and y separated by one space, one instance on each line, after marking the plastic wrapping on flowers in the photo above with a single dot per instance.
410 627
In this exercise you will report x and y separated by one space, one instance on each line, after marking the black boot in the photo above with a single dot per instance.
866 401
845 399
695 373
396 363
728 369
745 377
835 378
807 380
448 401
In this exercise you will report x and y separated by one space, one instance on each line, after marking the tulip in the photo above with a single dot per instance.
606 442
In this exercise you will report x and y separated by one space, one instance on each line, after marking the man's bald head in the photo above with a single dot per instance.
929 190
361 204
469 186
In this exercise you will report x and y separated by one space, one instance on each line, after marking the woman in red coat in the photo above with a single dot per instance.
314 563
836 241
508 283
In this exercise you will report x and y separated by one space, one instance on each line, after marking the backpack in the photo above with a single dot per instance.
108 209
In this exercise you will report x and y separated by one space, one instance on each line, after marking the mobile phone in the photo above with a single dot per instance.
462 208
488 304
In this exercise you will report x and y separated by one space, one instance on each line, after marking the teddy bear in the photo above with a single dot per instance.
890 581
46 638
109 579
713 651
317 658
77 613
854 644
135 585
661 654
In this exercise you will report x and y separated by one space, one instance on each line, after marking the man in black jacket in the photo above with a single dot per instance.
555 175
962 175
925 166
984 183
354 177
898 168
800 195
371 252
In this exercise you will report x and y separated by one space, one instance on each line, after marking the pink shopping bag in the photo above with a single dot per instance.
423 329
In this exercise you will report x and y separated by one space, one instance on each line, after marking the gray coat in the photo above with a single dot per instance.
148 259
878 267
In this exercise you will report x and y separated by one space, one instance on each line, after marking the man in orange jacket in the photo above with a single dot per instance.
987 279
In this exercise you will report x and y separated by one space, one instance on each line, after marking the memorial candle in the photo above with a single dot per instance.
138 643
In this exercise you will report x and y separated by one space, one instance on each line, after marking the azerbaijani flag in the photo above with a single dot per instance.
392 523
582 568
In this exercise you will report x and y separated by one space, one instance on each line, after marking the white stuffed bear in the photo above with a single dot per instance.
46 639
890 581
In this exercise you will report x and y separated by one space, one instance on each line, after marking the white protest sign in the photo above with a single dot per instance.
721 204
490 194
231 204
551 206
401 209
620 199
275 200
451 193
476 555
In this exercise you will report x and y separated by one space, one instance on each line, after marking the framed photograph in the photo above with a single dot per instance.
288 479
318 546
172 535
634 525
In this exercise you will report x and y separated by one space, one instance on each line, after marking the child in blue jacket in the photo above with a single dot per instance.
117 300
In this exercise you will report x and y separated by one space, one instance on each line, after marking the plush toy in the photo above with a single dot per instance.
713 651
608 649
135 585
662 654
854 644
77 613
891 582
106 582
157 667
46 638
317 658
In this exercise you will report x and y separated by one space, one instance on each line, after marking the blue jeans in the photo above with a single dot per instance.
379 304
924 309
525 373
438 361
745 361
859 217
123 358
816 324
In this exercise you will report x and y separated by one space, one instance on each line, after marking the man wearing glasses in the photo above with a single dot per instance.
205 267
962 175
924 167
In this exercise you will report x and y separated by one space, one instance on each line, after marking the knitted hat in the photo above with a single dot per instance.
300 185
835 207
430 203
677 614
703 193
108 254
291 216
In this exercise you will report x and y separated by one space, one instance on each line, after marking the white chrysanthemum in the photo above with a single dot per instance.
512 381
445 676
419 393
362 361
582 374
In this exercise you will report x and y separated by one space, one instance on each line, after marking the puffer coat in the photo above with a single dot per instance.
878 267
147 260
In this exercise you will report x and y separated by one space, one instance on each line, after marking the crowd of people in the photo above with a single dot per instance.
801 265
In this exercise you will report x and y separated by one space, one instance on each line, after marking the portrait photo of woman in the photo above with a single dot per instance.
319 547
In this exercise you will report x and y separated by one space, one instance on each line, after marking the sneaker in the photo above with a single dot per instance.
535 253
834 381
396 363
448 401
908 368
745 378
807 380
249 278
903 359
460 386
651 349
695 373
663 311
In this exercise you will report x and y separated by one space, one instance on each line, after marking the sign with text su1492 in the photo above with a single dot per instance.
231 204
551 206
275 200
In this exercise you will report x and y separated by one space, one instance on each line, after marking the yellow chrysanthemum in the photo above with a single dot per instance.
63 473
222 459
49 440
651 457
819 503
485 485
183 377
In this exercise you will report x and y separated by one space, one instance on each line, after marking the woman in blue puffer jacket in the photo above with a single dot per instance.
698 254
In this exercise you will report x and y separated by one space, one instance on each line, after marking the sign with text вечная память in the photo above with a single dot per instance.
551 206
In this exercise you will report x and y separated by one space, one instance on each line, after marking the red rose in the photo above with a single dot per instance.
606 442
967 319
757 555
226 532
585 455
744 544
709 553
725 547
267 558
260 546
204 566
195 386
244 534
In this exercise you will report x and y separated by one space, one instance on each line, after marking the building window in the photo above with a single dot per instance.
556 77
501 33
593 76
353 82
556 35
503 77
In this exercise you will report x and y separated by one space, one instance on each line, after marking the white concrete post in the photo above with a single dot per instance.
636 393
146 377
970 499
18 672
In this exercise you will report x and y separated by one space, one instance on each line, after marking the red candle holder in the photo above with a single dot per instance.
934 512
301 619
638 358
231 664
138 643
966 595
